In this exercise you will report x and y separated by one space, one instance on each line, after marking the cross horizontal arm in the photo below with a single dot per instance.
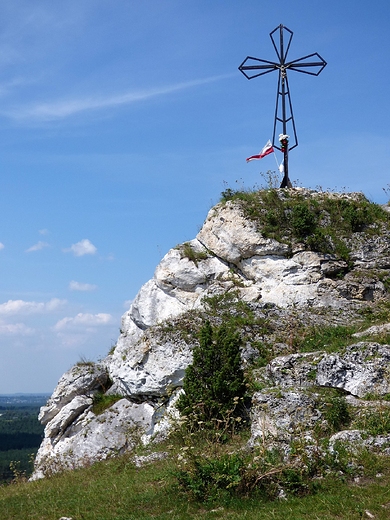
267 66
300 64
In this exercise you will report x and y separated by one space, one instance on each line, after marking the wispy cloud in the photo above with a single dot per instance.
78 286
84 320
64 108
84 247
15 329
1 246
43 231
13 307
37 247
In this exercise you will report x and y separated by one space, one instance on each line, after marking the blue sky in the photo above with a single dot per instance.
120 124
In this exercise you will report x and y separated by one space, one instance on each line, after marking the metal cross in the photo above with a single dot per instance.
283 110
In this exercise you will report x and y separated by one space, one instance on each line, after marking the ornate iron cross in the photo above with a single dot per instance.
283 111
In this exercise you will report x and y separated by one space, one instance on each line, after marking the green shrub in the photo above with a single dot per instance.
303 220
207 479
214 382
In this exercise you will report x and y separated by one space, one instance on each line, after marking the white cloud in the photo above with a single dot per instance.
37 247
15 329
84 320
43 231
13 307
84 247
1 246
66 108
78 286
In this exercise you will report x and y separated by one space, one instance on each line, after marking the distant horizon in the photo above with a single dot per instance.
26 393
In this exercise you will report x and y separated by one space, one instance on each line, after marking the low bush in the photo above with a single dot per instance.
214 382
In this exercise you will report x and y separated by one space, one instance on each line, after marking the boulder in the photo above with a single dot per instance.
84 379
279 415
232 237
361 370
94 437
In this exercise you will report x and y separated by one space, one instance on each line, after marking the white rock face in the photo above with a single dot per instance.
82 379
92 438
151 369
363 369
232 237
228 254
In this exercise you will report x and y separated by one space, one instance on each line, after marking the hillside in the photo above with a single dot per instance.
284 267
301 279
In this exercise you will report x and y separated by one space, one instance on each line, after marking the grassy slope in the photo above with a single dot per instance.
117 490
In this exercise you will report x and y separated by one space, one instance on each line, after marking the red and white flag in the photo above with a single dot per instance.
268 148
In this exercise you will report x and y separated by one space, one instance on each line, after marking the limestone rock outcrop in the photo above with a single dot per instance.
230 254
289 405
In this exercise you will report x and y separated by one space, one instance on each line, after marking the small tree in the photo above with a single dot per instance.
214 383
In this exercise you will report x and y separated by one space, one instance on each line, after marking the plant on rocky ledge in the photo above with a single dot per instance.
337 413
214 382
323 222
84 362
187 251
102 401
326 337
375 422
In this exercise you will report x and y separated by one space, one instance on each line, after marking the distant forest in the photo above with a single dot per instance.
20 437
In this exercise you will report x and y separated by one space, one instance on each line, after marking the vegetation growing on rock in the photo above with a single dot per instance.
214 383
322 221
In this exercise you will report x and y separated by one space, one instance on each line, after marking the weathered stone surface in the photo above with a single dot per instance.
178 272
363 369
232 237
152 304
279 415
295 370
143 460
97 438
356 439
151 367
81 380
67 415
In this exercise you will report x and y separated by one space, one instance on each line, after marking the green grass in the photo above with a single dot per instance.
323 223
328 338
103 401
116 490
187 251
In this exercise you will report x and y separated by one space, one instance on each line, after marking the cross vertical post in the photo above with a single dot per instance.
254 67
